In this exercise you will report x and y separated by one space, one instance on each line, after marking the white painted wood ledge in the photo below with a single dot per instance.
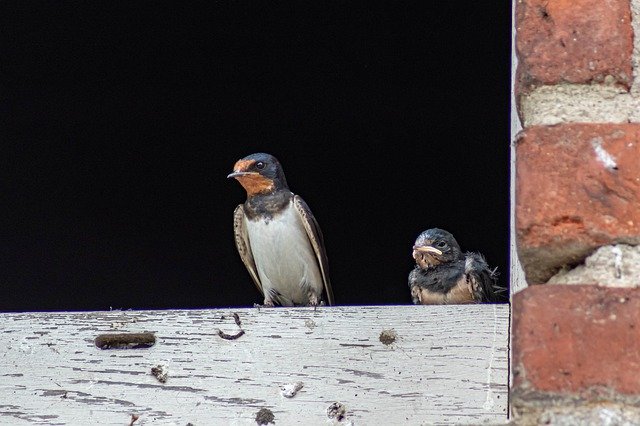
447 365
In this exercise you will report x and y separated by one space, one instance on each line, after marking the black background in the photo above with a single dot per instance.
121 120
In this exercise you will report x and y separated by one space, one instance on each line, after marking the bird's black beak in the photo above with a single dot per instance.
236 174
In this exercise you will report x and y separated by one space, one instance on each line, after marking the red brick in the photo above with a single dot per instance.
574 41
568 202
579 341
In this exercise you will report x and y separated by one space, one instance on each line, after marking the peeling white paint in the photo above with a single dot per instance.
489 402
439 376
517 280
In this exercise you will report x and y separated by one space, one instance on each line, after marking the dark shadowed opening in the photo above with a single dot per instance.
120 123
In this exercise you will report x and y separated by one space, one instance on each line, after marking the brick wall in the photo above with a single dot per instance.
576 328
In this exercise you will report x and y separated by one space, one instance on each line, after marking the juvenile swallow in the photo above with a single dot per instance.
278 237
445 275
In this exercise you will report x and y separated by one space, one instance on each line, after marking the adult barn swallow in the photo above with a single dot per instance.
278 237
445 275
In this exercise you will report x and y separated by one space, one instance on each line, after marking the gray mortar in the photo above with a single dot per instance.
611 266
608 414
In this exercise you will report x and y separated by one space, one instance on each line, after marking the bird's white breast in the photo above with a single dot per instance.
283 255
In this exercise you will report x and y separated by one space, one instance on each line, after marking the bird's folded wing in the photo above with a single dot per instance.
483 280
242 243
317 242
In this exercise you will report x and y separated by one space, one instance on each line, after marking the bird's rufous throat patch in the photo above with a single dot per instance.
253 182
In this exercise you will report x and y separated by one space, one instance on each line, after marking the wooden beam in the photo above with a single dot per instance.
383 364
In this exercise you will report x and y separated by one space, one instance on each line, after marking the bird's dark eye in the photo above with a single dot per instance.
259 165
441 244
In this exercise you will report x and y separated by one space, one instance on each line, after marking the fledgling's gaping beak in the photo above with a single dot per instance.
426 256
427 249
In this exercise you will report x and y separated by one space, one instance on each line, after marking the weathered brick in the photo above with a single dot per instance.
575 343
577 188
574 41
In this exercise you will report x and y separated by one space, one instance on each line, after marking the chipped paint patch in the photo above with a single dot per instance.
291 389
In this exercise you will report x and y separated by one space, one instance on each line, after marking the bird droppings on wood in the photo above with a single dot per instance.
134 418
388 337
160 372
125 341
291 389
336 411
265 416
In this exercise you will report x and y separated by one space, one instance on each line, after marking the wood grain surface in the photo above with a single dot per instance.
382 364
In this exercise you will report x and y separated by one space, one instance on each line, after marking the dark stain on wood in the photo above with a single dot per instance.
125 341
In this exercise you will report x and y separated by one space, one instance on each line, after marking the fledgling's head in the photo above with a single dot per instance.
259 174
435 246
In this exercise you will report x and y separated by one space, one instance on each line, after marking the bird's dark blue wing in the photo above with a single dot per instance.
243 246
483 280
317 242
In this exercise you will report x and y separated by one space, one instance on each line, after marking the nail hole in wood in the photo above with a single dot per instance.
125 341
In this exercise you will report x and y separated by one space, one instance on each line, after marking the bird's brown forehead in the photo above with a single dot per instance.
242 165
